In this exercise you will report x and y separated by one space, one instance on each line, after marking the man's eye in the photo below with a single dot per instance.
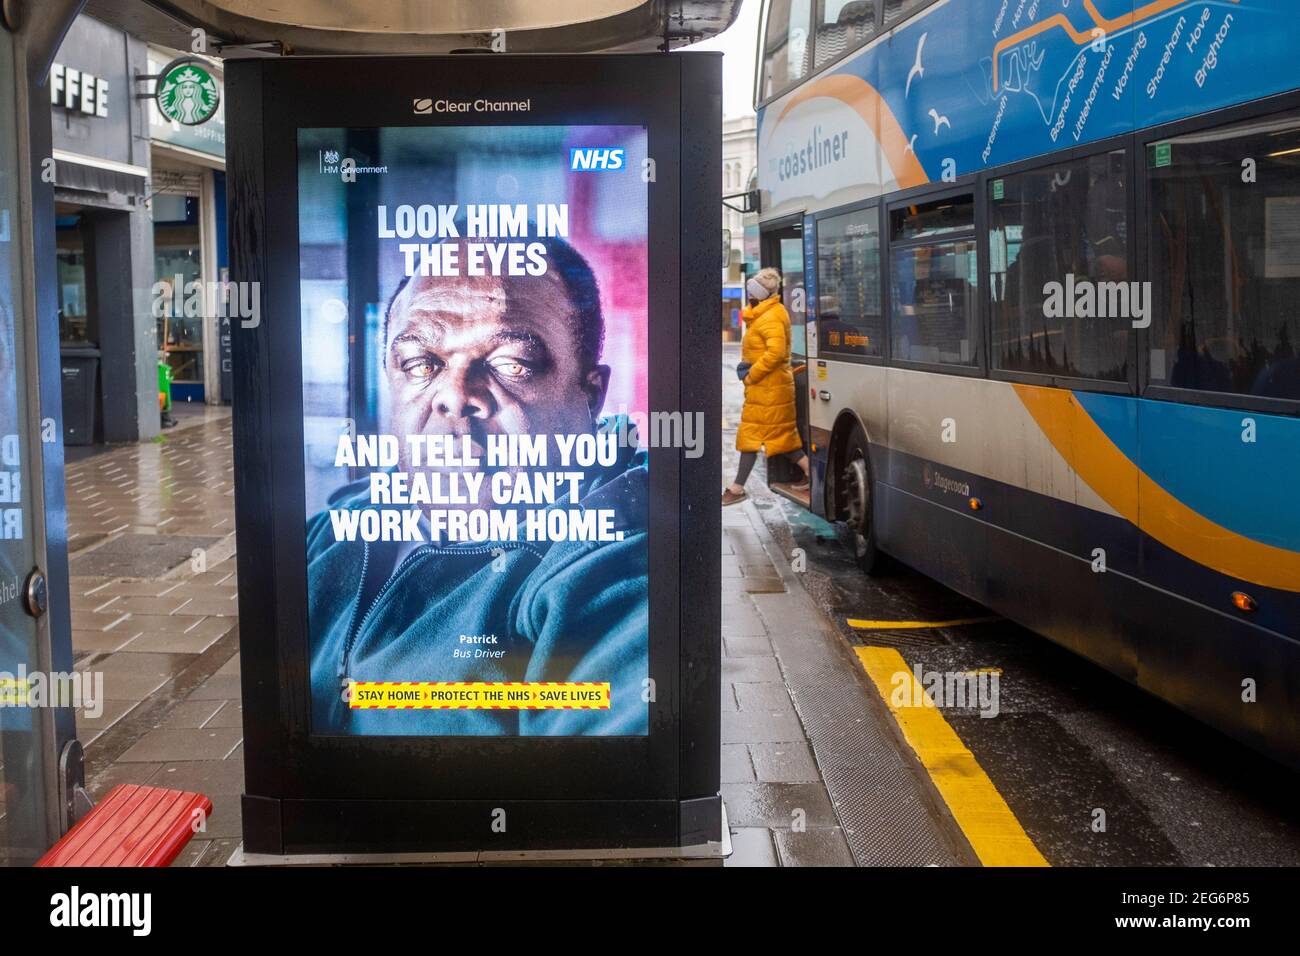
420 369
511 368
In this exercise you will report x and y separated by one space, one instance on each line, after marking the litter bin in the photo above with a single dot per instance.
80 386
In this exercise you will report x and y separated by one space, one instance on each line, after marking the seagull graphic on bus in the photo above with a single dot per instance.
917 69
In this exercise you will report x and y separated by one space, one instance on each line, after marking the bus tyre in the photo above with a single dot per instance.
858 498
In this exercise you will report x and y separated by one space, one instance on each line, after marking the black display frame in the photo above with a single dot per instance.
313 793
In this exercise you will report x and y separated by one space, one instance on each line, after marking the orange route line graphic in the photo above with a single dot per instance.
1080 38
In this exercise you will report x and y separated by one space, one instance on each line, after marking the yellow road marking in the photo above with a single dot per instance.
984 817
862 625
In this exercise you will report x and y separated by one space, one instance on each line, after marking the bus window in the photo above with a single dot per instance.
898 10
940 218
1053 231
1225 258
849 320
792 291
843 25
785 45
932 282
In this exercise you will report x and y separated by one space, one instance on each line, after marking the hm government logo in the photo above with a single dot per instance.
186 92
332 164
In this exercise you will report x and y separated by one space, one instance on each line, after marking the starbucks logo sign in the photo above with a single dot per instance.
186 92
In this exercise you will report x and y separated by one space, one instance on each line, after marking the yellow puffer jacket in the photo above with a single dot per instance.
768 421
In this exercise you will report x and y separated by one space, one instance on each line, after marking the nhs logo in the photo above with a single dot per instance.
592 158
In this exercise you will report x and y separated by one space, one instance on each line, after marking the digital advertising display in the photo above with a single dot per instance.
474 325
472 420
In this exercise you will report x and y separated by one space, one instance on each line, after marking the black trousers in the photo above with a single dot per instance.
749 458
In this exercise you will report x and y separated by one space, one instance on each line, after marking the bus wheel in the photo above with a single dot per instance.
856 477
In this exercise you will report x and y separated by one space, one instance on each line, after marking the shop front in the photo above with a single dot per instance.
189 207
100 171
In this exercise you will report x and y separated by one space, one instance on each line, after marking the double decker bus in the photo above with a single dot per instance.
1042 262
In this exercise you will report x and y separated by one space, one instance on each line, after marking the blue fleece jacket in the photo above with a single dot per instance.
563 611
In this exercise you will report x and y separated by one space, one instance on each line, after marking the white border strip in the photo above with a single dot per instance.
64 156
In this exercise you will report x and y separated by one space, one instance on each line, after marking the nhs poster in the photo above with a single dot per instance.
474 330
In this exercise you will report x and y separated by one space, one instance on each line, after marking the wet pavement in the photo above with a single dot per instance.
152 561
815 767
158 617
1096 771
153 603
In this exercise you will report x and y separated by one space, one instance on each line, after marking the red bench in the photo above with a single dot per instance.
132 826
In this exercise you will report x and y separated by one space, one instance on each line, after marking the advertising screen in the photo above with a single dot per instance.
474 341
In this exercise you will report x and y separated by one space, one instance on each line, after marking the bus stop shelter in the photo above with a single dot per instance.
48 757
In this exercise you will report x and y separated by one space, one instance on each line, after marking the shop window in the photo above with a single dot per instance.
849 319
785 45
843 25
1059 286
74 295
177 264
1225 258
932 282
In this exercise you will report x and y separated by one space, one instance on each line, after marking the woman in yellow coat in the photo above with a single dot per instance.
767 420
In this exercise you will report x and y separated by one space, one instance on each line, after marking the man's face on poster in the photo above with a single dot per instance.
483 355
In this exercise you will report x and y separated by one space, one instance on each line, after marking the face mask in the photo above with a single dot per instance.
756 290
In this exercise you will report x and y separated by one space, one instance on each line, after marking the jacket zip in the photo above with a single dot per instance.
355 625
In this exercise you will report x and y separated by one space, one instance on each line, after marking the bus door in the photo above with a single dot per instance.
783 249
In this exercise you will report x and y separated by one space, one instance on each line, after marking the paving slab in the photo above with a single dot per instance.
752 846
191 714
737 767
738 669
813 847
230 715
769 697
101 641
760 728
222 687
788 762
147 555
176 744
778 805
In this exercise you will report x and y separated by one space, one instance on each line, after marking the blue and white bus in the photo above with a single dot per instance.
1042 260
